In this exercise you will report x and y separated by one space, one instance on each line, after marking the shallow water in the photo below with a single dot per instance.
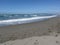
11 19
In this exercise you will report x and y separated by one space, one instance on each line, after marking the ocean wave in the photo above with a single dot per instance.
24 20
17 16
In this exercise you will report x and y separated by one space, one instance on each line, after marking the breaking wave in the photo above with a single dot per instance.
24 20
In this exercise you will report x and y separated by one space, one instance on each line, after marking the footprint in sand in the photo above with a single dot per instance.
36 42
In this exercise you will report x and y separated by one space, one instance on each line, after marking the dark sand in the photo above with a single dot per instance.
48 28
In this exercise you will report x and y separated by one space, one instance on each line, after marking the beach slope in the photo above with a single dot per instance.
49 28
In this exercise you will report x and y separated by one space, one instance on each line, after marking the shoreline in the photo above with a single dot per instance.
23 31
25 21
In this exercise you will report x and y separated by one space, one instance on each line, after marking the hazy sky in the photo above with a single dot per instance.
29 6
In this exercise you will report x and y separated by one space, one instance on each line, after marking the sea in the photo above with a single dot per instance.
14 19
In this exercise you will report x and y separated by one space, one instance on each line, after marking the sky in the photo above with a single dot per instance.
29 6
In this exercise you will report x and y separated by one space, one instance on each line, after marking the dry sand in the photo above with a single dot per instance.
43 40
38 33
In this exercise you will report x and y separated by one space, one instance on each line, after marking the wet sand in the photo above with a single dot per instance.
50 27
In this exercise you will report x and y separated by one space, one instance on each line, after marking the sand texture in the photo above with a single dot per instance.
43 40
38 30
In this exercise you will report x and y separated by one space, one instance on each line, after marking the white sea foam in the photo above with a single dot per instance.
34 15
25 20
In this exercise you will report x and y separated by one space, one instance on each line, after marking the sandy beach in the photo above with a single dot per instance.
43 40
38 33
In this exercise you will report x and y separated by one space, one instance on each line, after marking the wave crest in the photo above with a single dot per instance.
24 20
